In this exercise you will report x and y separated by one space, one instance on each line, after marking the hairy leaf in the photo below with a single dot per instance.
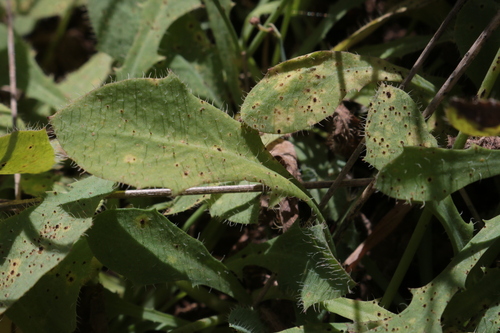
37 239
299 93
457 229
430 301
304 263
160 135
424 174
246 320
393 122
147 248
465 309
55 295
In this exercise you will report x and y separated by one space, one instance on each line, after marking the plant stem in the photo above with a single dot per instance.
194 217
345 170
13 85
407 257
279 51
490 77
165 192
261 34
460 141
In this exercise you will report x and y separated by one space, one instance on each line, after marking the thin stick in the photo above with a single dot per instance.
340 178
13 86
462 66
165 192
420 61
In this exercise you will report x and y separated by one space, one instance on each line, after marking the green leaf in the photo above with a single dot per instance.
37 239
190 55
425 174
304 263
299 93
26 152
358 311
87 77
147 248
160 135
115 24
30 77
181 203
156 17
393 122
457 229
465 309
430 301
227 44
6 121
246 320
241 208
50 306
38 184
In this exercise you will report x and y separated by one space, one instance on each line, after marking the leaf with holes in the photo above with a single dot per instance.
160 135
299 93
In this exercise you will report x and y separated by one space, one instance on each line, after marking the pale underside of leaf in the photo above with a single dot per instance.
299 93
155 133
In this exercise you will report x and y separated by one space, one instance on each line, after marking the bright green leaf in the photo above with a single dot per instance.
358 311
26 152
